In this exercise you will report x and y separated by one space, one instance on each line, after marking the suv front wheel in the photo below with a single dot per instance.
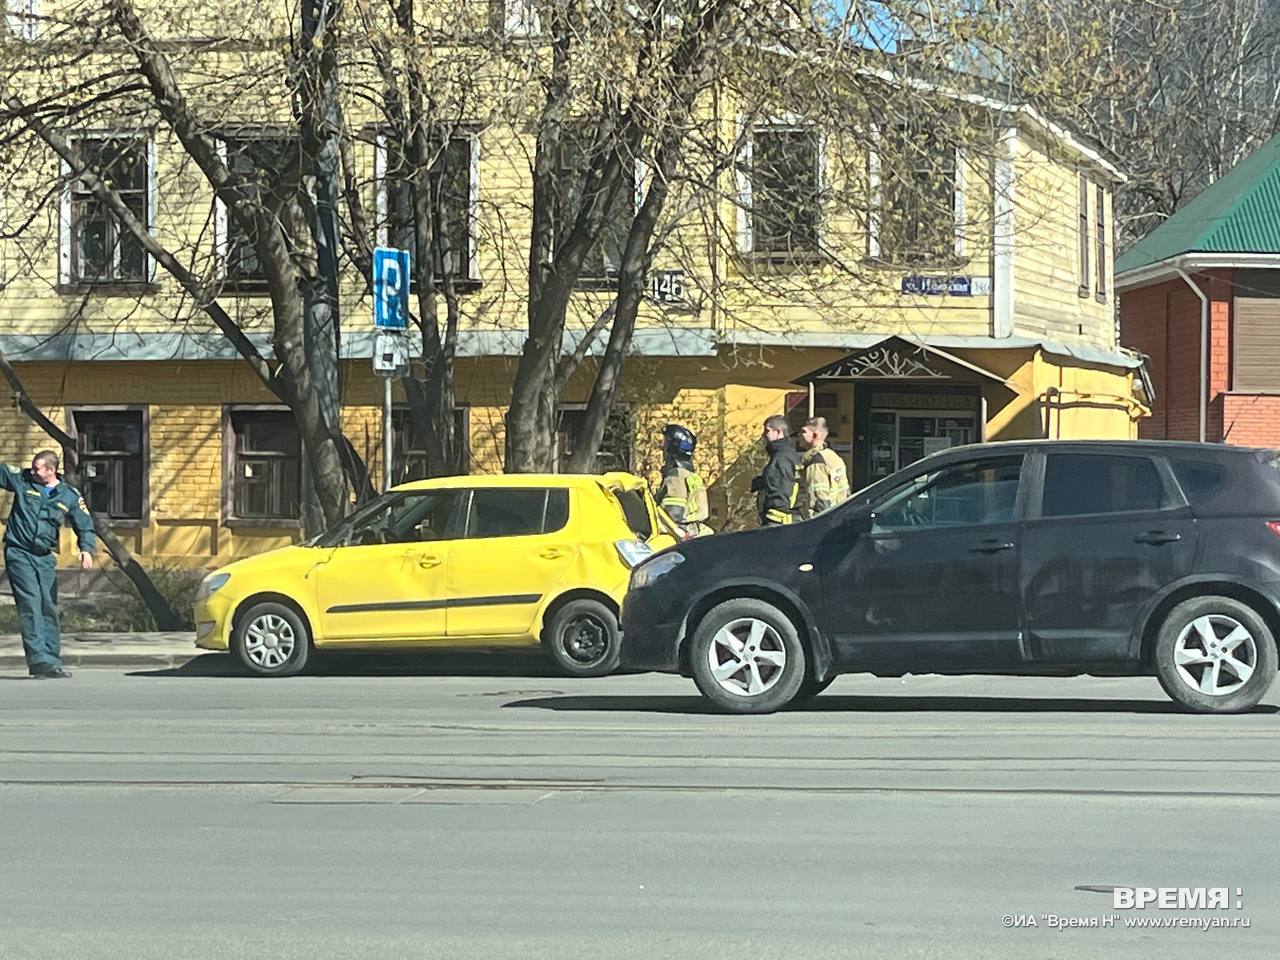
1215 655
746 657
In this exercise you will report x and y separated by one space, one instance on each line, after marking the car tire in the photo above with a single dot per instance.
1204 649
810 688
746 629
583 639
271 640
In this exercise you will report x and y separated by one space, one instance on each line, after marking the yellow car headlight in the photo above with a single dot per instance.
212 584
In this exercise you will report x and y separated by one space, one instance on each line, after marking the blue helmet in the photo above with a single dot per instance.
679 441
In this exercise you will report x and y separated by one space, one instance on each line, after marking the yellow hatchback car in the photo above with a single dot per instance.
460 561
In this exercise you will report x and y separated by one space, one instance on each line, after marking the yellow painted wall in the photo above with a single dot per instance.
1046 261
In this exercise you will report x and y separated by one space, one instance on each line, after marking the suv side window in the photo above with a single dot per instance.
517 513
961 495
1077 484
1200 480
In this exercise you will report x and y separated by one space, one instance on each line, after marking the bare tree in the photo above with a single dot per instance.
1179 90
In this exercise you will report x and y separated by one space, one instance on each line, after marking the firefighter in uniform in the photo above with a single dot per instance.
824 482
42 503
776 487
683 493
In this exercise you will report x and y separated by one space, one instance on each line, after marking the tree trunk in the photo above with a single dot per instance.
321 330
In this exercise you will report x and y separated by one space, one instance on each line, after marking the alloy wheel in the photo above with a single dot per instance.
1215 655
747 657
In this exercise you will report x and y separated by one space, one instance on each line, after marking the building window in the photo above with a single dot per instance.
918 196
515 18
24 18
786 190
265 465
264 161
453 194
1101 231
616 448
1083 236
112 447
409 447
101 248
604 259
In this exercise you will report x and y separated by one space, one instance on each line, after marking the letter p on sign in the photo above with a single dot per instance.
390 288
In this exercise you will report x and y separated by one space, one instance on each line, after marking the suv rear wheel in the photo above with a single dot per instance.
746 657
1215 655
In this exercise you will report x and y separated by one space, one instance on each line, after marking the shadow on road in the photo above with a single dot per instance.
451 663
866 704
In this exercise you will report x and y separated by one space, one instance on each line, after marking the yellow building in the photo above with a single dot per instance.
992 321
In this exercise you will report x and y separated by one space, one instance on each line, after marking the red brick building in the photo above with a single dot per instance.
1200 297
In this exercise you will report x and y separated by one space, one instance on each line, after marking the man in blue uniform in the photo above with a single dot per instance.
42 503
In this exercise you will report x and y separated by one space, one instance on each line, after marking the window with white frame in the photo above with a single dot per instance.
23 17
98 247
267 161
578 153
454 185
516 18
1082 235
918 204
409 446
784 196
1100 229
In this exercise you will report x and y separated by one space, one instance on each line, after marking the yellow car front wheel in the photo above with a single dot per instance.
271 640
583 639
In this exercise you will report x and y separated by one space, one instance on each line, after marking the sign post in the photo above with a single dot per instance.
390 349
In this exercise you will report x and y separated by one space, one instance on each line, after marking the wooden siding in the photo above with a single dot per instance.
1047 295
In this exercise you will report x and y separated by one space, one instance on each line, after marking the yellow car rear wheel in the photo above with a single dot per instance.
582 638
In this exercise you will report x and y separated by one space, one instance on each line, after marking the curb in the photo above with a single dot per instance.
15 662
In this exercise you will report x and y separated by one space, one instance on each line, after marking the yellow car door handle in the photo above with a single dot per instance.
428 562
551 554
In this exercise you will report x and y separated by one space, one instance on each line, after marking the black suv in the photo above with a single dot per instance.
1037 558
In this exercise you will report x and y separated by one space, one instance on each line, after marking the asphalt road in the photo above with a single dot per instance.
398 811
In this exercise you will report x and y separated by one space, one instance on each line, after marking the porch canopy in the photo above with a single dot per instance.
897 358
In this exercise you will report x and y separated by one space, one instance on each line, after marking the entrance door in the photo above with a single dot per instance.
895 427
934 584
1112 532
386 579
901 437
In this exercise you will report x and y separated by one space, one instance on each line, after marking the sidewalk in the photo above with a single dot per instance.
109 650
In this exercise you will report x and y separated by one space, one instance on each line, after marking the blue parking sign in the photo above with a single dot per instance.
390 288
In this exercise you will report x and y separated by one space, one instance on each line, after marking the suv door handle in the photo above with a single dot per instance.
551 553
990 546
1157 537
427 562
